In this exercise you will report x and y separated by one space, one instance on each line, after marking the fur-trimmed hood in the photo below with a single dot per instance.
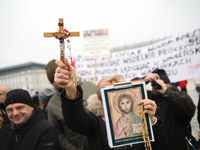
95 106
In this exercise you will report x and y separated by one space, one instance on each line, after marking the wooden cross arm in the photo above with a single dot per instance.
50 34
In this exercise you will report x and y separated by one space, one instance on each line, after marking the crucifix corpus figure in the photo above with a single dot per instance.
61 35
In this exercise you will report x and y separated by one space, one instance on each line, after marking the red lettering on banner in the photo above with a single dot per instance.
193 68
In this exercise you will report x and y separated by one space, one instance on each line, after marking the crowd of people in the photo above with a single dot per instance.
70 114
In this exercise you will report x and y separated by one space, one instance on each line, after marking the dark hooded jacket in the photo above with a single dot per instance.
36 134
177 110
93 126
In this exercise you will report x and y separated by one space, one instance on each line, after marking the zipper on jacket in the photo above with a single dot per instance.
16 137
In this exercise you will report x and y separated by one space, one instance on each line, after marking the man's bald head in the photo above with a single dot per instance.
3 91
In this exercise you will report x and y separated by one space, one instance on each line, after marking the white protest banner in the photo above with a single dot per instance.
179 56
96 44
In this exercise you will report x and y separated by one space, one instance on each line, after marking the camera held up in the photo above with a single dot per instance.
155 85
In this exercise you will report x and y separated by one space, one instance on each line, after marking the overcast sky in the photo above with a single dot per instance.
23 22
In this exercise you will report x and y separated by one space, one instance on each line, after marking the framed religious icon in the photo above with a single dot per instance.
124 122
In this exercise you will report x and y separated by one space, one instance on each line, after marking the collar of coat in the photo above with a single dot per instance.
95 106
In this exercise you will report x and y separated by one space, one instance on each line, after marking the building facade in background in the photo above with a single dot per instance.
28 76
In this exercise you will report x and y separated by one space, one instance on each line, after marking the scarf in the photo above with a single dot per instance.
95 106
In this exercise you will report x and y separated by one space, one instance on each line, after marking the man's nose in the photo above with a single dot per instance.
15 112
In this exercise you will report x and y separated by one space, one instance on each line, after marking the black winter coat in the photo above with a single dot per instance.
36 134
176 110
95 129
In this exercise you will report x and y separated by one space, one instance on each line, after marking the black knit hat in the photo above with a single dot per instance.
162 74
50 70
18 96
2 106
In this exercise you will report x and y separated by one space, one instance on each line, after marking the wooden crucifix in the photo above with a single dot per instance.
61 35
